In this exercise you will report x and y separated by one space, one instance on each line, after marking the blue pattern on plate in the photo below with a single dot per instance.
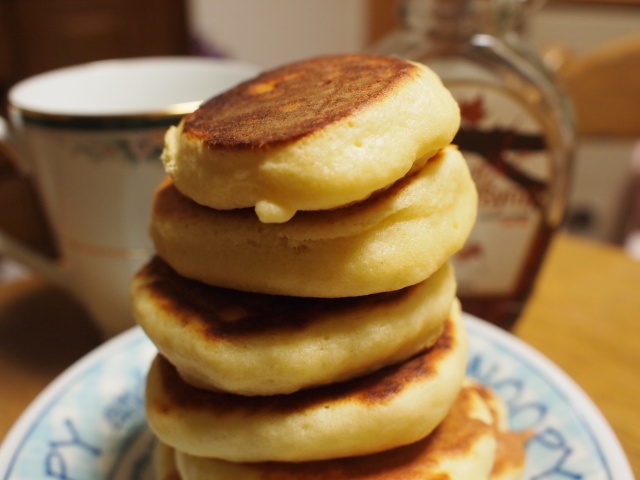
563 445
89 424
68 441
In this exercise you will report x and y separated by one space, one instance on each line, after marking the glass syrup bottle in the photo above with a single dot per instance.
516 134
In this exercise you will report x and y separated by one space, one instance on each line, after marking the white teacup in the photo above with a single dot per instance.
92 136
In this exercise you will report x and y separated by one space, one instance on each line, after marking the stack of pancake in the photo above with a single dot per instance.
301 299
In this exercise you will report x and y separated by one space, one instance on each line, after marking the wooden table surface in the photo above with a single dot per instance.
584 315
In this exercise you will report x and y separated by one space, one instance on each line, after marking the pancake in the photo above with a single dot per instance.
394 406
510 454
254 344
461 448
394 239
312 135
164 462
498 408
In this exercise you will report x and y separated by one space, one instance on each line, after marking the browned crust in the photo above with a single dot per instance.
375 388
285 104
220 314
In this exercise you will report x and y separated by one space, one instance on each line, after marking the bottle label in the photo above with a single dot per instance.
505 147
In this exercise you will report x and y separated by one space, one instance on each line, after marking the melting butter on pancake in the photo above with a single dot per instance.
397 238
313 135
394 406
461 448
253 344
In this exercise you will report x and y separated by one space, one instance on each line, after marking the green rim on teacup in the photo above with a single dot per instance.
165 118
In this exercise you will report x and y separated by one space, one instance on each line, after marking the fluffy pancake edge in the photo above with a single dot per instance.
386 243
252 344
364 415
461 448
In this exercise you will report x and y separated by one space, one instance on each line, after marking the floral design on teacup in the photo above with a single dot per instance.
132 148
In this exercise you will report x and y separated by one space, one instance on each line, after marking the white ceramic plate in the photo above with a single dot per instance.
89 424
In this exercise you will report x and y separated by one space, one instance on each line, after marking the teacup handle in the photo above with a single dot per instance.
14 249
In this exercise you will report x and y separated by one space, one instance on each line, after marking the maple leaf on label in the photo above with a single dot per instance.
472 111
471 250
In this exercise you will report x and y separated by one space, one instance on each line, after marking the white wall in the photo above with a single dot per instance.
273 32
583 27
602 167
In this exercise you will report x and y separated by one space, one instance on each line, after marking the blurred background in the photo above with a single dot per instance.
593 46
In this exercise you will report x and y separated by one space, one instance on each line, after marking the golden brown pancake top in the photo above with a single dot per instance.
283 105
375 388
224 314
